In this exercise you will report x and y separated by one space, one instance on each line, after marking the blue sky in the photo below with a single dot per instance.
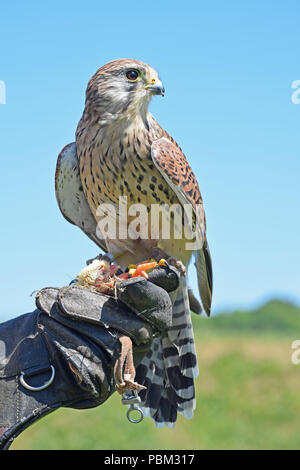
228 69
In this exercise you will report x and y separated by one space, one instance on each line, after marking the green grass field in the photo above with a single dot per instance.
247 394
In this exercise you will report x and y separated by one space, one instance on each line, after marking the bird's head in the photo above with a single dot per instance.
123 87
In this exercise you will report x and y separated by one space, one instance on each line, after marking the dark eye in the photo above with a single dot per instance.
132 75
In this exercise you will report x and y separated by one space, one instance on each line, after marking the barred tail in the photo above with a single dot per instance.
169 368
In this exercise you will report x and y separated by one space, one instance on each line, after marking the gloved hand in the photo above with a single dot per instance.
68 351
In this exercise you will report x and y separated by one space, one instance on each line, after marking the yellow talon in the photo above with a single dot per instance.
162 262
132 266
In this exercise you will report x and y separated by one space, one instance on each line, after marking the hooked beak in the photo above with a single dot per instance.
157 89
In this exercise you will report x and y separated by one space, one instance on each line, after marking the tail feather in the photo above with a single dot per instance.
169 368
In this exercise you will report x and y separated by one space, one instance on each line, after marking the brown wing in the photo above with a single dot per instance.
170 158
174 167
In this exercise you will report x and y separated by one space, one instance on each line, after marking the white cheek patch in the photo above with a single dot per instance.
116 92
118 96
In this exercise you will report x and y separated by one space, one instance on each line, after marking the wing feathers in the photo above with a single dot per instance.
70 196
172 164
204 275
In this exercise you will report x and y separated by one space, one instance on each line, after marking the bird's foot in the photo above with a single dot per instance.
158 254
101 257
177 264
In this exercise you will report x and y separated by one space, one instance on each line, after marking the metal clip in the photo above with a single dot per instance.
132 399
42 387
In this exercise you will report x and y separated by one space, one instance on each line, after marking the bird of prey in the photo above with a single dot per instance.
121 150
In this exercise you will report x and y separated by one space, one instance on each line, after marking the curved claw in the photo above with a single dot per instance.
160 255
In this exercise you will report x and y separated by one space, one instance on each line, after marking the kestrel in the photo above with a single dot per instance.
121 151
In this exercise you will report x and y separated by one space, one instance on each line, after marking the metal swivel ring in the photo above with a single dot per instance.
135 408
132 399
42 387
